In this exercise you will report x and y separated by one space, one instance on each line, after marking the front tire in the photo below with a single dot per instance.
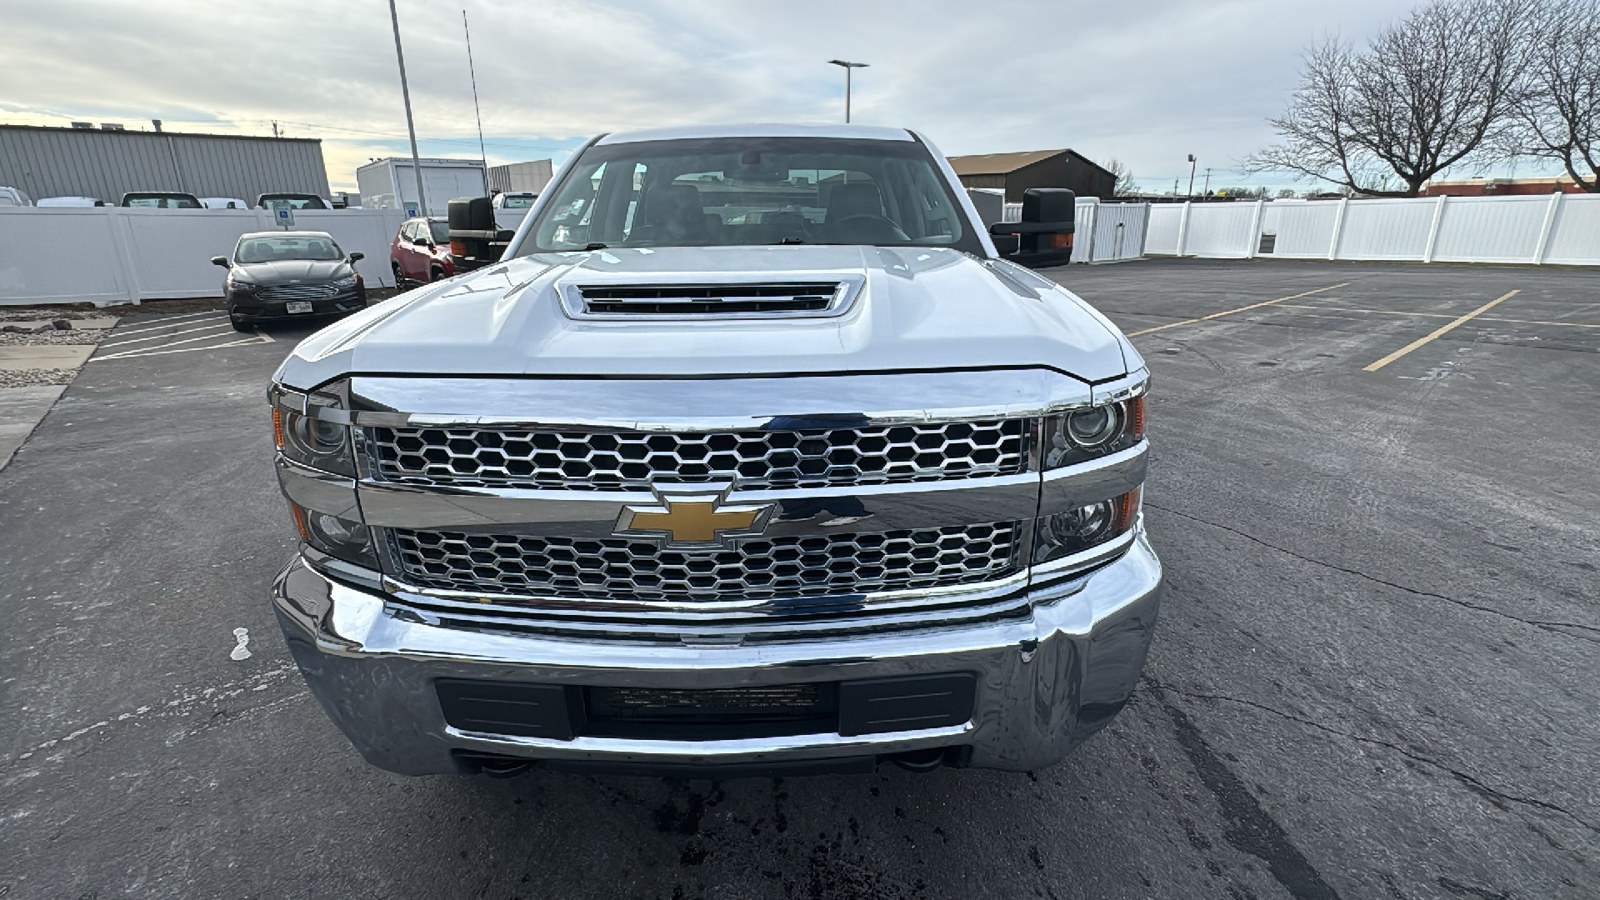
435 274
399 277
240 326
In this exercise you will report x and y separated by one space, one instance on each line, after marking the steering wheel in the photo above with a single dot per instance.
866 228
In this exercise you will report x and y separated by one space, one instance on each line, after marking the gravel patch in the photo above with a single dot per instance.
83 336
10 378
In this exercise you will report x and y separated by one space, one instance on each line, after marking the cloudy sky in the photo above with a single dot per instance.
1143 81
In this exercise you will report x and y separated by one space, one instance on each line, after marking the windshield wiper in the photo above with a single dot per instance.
792 240
595 246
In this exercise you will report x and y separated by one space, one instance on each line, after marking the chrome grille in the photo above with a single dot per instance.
630 460
755 569
298 292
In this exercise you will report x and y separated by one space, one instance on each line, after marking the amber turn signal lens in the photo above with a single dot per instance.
458 248
300 521
1061 241
1136 415
1128 509
277 427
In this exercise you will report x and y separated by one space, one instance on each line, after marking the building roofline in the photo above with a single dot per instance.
141 133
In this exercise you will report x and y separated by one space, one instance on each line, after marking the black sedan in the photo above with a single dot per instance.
278 275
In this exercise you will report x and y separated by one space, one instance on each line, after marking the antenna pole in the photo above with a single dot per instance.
482 154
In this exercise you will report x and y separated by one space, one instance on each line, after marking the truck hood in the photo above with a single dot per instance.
916 310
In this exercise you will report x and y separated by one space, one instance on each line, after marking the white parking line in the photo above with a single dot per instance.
168 320
157 337
131 354
203 337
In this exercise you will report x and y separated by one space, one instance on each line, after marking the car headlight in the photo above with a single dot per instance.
1093 431
1075 530
241 284
344 539
307 431
346 282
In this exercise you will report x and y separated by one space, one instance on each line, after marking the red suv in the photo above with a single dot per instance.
421 251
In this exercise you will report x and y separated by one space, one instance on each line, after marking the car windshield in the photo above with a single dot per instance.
517 201
273 249
440 232
291 203
164 202
753 191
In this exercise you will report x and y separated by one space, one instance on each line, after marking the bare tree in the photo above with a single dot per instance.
1558 116
1125 186
1426 94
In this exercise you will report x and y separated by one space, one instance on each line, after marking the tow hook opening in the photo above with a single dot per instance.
933 758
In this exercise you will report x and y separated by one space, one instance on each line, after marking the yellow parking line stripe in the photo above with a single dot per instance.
1443 329
1229 312
1398 312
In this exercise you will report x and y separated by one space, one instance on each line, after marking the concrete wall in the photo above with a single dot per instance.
69 162
111 255
1553 229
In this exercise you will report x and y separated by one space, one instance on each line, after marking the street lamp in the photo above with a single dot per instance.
847 66
1191 176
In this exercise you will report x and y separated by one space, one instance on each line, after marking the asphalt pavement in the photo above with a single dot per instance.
1375 674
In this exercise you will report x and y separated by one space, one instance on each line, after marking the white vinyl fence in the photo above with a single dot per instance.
1551 229
1105 232
111 255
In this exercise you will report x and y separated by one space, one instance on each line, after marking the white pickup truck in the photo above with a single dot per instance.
752 455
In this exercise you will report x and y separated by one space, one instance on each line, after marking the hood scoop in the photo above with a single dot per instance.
711 300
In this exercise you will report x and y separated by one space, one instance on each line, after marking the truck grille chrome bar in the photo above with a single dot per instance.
702 299
620 569
755 460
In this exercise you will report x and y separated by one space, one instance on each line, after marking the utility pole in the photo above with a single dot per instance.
482 154
847 66
1191 156
411 128
1207 189
274 129
1174 188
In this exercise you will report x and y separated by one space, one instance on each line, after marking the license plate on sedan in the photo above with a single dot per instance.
297 306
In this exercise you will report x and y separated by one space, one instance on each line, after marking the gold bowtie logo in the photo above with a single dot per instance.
698 518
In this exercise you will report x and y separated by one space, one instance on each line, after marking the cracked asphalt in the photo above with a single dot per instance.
1375 676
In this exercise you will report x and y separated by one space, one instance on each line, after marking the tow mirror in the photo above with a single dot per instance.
220 261
1044 236
357 256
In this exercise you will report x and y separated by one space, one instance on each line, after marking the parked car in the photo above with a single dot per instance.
277 275
421 251
515 199
223 203
291 201
10 196
724 469
161 200
71 202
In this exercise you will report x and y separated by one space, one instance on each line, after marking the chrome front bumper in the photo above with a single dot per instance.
1045 680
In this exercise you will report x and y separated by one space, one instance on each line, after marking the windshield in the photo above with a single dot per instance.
753 191
282 202
440 231
162 201
517 201
273 249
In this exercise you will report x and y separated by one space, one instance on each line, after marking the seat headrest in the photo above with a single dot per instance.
856 198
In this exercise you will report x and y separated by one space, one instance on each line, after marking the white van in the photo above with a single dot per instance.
10 196
71 202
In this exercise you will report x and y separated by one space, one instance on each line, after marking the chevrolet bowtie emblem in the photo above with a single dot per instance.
693 516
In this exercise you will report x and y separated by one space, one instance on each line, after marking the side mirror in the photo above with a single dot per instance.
1044 236
1006 242
221 261
357 256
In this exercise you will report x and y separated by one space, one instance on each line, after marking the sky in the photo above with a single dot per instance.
1146 82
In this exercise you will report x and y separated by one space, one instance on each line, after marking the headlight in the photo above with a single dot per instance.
346 282
343 539
311 438
1084 434
241 284
1065 533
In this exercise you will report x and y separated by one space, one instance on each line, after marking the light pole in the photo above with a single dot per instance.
847 66
405 94
1191 167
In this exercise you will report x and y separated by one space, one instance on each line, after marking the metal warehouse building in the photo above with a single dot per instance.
1016 172
105 164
